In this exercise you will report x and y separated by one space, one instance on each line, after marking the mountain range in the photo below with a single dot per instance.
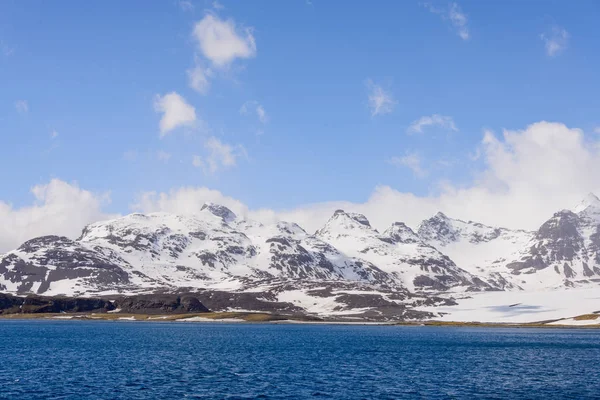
346 268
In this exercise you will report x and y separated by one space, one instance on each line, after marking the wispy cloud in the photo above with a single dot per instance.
53 134
453 13
198 78
380 100
254 107
220 156
176 112
22 106
217 6
186 5
556 40
459 21
442 121
411 161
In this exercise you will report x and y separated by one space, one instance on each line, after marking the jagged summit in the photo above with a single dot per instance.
356 217
401 233
220 211
438 228
441 215
216 249
589 207
590 200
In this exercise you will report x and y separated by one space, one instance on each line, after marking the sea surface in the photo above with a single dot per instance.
137 360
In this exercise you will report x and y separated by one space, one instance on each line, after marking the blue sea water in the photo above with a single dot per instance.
110 360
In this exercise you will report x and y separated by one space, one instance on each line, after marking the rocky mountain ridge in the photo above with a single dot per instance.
346 267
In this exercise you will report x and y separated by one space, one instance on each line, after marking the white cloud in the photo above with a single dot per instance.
597 129
186 5
256 108
556 41
262 114
186 201
380 101
198 162
53 134
176 112
217 6
60 208
432 120
220 156
528 175
221 42
411 161
459 21
163 156
22 106
198 78
454 14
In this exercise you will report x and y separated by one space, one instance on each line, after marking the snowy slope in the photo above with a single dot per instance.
565 251
522 306
345 268
398 251
212 250
479 249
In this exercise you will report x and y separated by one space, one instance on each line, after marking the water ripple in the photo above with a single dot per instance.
99 360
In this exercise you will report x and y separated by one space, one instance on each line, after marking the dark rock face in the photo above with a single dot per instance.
442 229
400 233
256 301
10 304
442 283
569 243
562 226
361 219
54 258
220 211
594 247
558 241
141 304
160 304
438 228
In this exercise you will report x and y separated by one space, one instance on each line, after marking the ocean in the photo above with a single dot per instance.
138 360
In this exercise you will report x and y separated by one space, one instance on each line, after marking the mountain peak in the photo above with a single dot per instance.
589 204
219 211
360 218
343 223
441 215
438 228
400 232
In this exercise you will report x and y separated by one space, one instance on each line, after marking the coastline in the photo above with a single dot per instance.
266 318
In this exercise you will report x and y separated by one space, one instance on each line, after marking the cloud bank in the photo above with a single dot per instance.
59 208
527 176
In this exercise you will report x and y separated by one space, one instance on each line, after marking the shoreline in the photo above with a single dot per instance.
265 318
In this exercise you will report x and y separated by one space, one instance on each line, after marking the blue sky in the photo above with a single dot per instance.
93 72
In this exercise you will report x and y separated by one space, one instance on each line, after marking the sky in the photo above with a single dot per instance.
487 111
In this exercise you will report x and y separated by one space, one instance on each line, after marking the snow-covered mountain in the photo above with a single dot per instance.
481 250
565 251
397 251
346 267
